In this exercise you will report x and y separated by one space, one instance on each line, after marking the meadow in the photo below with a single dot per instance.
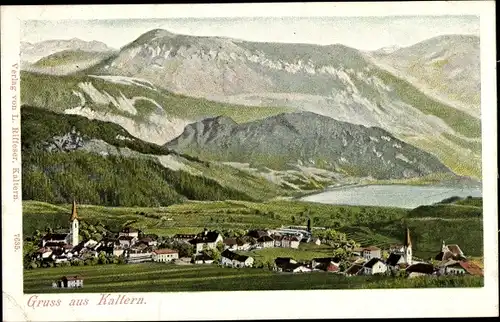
159 277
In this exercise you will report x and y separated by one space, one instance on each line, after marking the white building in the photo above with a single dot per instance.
129 232
228 258
206 240
374 266
165 255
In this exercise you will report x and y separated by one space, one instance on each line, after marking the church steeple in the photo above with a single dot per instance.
408 256
407 238
74 214
74 230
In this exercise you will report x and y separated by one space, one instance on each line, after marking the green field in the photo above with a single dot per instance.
153 277
305 252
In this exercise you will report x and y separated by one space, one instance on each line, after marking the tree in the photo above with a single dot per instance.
220 246
271 265
184 249
213 253
102 258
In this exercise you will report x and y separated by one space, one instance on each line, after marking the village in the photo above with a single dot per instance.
130 246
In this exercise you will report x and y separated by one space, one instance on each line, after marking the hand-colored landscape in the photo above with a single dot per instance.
204 163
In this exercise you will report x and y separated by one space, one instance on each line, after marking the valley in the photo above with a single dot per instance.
172 135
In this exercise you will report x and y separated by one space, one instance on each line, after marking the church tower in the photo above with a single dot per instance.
407 248
74 230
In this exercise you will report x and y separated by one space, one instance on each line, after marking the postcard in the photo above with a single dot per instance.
249 161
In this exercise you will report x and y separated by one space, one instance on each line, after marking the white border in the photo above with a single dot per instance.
258 305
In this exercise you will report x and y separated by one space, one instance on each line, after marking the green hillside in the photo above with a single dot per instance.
130 174
56 93
69 56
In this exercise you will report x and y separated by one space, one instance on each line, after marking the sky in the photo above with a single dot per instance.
364 33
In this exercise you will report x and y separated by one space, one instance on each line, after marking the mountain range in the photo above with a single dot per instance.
61 57
275 109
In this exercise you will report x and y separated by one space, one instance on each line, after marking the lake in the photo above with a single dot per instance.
402 196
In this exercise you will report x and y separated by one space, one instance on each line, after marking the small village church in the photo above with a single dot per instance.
59 239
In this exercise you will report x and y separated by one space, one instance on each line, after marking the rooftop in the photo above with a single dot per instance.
205 237
372 262
420 268
233 256
354 269
165 251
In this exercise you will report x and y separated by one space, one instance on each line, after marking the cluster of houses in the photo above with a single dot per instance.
364 261
449 261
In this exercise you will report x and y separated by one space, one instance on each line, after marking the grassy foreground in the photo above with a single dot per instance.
157 277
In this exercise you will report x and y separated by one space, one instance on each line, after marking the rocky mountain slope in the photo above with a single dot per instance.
133 86
144 110
447 67
307 139
335 81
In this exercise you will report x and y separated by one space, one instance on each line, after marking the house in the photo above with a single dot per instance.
69 282
90 244
471 268
165 255
395 262
231 259
316 241
397 249
229 243
265 242
277 240
184 237
55 240
206 239
138 256
245 243
450 252
355 269
118 251
328 267
148 241
127 241
282 262
43 253
325 261
129 232
295 268
257 233
420 269
110 242
374 266
371 252
290 242
454 267
202 259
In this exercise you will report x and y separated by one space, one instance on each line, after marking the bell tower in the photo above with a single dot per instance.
74 230
407 249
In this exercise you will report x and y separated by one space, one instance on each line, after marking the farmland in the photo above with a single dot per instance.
155 277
